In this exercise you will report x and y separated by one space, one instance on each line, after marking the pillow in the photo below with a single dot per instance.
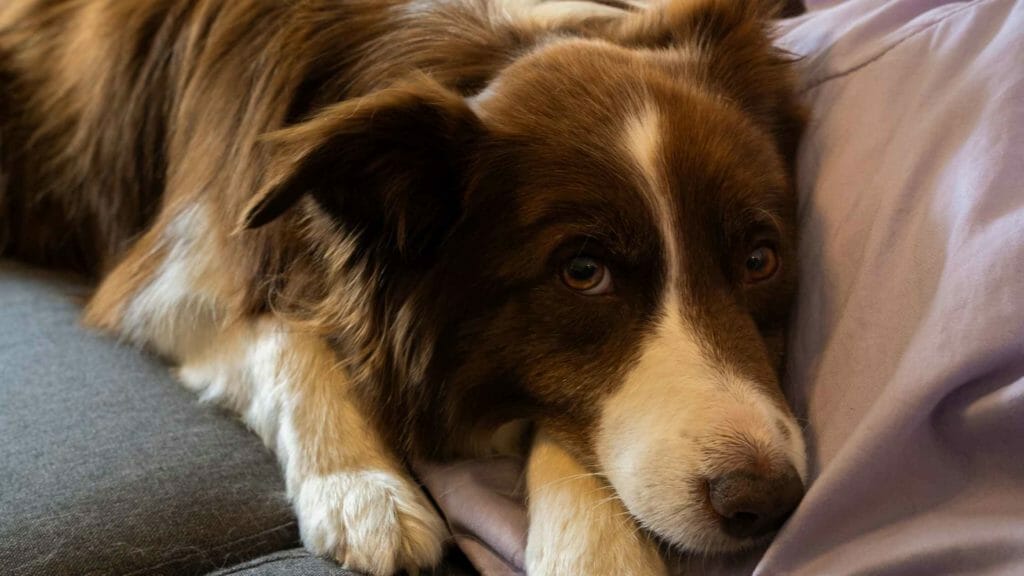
907 353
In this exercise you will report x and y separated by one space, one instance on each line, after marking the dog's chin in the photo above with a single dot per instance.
729 545
689 525
709 540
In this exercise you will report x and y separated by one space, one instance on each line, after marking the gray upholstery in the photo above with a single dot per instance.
107 466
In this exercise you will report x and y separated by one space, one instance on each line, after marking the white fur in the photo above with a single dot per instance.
243 373
560 13
371 520
643 145
545 14
577 524
353 500
175 313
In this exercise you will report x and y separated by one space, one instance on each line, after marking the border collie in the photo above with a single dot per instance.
389 230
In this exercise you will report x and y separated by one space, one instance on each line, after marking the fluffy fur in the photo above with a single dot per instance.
347 220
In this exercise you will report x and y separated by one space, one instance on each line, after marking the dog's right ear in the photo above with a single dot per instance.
681 22
391 164
732 38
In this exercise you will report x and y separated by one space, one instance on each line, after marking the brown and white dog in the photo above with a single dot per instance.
380 230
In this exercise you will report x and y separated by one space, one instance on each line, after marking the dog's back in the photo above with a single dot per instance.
106 105
84 116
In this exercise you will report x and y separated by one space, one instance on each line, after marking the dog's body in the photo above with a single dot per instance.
380 230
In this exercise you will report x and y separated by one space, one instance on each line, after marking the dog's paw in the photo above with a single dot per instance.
371 521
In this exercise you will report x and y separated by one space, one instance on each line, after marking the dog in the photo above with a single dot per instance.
390 230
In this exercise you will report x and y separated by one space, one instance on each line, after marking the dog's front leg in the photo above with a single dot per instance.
354 500
577 524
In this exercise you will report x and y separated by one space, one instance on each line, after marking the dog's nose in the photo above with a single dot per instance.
753 504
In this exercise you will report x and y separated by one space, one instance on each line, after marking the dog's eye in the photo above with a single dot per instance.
587 276
761 264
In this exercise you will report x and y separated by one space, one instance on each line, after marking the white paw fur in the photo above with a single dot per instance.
369 521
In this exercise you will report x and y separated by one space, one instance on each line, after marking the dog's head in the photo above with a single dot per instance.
603 238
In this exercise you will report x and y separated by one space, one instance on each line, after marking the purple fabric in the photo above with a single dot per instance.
907 357
483 503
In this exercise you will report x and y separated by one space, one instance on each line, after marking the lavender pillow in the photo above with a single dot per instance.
907 354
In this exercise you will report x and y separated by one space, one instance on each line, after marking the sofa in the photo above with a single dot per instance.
906 355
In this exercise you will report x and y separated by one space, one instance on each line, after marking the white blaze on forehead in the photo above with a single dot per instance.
643 142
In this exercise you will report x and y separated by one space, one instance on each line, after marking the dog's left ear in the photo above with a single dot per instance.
391 164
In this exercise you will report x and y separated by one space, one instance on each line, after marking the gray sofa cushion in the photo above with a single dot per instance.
107 466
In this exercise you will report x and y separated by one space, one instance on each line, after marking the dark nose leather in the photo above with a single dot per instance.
753 504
